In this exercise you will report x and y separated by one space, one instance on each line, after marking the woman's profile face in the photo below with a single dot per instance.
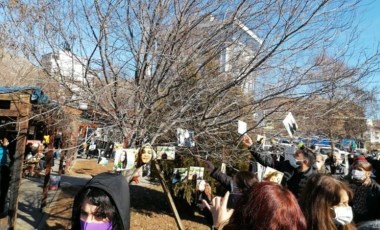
88 213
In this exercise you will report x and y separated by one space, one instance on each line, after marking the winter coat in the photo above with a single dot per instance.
372 204
369 225
225 180
4 157
375 168
295 181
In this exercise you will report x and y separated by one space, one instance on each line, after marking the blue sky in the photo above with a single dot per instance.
369 18
370 24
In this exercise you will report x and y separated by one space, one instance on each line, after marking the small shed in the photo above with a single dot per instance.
15 110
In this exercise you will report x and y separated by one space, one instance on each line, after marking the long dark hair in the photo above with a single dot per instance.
105 207
267 206
244 180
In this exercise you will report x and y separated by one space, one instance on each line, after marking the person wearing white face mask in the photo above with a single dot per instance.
320 164
325 203
335 165
366 201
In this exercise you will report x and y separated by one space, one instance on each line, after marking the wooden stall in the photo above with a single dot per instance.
15 109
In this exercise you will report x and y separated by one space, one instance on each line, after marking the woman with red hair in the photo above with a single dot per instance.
266 206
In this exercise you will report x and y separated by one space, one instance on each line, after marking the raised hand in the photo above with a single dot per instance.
247 141
218 209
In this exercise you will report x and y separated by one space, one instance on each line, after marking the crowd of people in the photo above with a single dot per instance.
315 193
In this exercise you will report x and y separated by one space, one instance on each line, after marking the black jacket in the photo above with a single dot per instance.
117 187
376 167
225 180
295 181
372 203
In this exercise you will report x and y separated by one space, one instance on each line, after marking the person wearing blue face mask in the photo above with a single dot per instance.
366 201
102 204
297 169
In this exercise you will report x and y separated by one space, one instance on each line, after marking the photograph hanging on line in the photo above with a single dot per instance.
179 175
242 127
196 173
290 124
131 157
185 138
165 152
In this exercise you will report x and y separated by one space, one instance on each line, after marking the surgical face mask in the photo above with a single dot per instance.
293 162
95 226
358 175
343 215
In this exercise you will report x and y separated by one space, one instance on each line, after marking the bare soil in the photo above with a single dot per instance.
149 207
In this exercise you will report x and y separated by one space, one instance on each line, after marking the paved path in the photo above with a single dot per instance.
29 215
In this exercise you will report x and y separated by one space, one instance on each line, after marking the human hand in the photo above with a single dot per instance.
247 141
218 209
136 179
201 206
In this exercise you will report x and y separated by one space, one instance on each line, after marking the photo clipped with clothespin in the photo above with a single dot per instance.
223 168
185 138
290 124
165 152
260 139
196 173
179 175
260 171
242 127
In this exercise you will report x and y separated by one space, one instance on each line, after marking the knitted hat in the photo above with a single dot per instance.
360 158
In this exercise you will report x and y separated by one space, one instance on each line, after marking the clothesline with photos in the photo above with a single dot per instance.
263 173
127 159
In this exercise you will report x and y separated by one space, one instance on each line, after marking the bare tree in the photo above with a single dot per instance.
152 66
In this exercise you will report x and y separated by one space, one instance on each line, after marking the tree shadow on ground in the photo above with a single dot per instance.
150 201
146 199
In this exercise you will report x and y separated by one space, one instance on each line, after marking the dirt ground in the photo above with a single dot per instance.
149 207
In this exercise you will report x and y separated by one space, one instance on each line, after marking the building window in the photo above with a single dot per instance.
5 104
